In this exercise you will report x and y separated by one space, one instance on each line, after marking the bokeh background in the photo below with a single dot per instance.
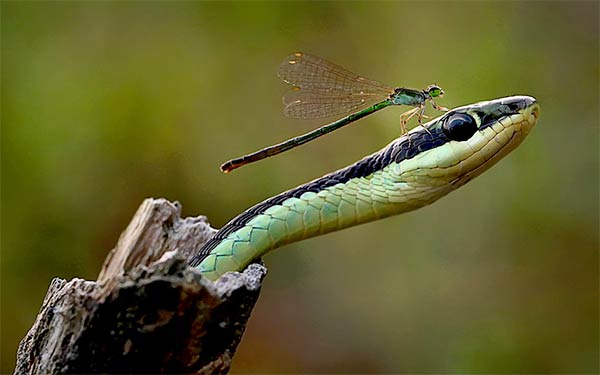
105 104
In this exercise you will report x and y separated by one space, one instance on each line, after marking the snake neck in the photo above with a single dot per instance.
375 187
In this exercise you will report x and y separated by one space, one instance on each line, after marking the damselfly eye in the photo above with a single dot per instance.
459 126
435 91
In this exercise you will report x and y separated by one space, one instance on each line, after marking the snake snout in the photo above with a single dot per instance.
519 103
530 113
523 109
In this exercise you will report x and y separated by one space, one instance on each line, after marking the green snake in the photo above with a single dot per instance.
413 171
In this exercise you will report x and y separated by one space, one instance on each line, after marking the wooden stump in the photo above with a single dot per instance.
148 312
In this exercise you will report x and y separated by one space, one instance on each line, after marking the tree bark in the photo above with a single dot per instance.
148 312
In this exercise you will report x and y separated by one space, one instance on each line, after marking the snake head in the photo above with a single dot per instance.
498 127
466 141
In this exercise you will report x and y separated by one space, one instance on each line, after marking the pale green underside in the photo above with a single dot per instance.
343 205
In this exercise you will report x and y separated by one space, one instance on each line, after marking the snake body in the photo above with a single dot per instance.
411 172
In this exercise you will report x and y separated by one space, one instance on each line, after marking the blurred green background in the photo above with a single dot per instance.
105 104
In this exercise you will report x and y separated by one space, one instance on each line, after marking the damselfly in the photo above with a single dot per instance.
321 89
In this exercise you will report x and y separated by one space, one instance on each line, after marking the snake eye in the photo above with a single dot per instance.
459 127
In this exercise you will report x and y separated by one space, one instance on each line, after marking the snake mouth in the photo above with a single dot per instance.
535 111
532 109
519 125
527 117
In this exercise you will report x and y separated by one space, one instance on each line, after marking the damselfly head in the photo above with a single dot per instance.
434 91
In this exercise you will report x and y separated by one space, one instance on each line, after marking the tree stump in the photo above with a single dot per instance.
148 312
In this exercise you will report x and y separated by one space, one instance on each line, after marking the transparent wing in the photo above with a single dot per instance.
323 89
310 72
305 104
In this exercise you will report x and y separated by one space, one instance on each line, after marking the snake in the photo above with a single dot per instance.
411 172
